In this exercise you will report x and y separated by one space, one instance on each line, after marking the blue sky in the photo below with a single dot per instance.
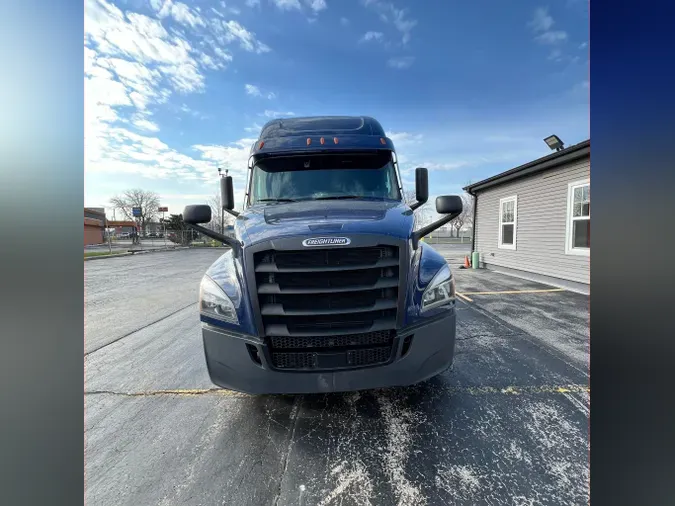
468 89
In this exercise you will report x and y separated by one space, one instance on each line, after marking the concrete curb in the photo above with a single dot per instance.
142 252
131 253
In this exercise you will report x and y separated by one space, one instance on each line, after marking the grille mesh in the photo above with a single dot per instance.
343 341
295 360
368 356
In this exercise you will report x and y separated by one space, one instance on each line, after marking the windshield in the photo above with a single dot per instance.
324 177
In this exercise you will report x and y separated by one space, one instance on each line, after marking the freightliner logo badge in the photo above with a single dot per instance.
326 241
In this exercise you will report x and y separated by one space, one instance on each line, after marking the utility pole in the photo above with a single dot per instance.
222 204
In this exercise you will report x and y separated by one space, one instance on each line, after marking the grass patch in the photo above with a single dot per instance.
209 244
88 254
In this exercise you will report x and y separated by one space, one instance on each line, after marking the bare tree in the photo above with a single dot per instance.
216 214
148 202
466 216
422 215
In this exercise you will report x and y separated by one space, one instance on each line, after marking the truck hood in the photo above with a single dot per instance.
331 217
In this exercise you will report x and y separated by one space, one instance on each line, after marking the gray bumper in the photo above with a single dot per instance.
231 365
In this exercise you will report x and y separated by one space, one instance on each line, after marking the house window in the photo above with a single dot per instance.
578 240
508 217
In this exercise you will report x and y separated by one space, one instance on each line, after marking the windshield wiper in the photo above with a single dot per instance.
276 200
340 197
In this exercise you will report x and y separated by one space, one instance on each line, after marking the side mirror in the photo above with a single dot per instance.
195 215
421 185
449 204
227 192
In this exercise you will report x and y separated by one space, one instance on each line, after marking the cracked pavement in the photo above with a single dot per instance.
507 425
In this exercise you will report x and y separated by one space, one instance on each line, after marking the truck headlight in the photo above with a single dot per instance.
440 291
214 303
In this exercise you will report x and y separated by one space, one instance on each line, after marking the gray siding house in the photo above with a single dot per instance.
534 221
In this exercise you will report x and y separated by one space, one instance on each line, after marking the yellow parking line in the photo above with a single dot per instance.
181 392
463 297
511 292
473 390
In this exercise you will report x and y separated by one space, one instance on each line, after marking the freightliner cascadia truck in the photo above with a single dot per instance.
326 286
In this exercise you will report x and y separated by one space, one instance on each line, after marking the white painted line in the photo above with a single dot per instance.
581 406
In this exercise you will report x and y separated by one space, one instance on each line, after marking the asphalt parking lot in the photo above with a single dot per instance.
507 425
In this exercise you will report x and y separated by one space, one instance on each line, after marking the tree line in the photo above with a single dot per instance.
149 203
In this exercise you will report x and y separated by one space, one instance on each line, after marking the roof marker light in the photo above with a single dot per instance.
382 141
335 140
322 141
262 143
309 141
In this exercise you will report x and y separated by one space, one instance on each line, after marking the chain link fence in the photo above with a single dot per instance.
132 243
447 237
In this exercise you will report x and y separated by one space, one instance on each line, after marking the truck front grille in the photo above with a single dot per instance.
328 308
380 337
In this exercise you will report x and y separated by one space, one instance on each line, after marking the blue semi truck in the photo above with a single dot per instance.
326 286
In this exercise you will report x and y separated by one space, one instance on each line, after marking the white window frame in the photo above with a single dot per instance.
500 245
569 249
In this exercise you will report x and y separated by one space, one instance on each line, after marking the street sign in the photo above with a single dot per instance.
136 211
163 210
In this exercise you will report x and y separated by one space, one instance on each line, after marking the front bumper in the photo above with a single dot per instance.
231 364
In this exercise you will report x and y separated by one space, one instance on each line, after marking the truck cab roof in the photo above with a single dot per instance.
321 134
317 125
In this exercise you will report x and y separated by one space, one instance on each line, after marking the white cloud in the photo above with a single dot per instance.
277 114
223 55
555 55
389 13
402 138
208 62
541 23
252 90
287 4
372 36
184 108
247 40
401 62
180 12
131 153
552 37
256 92
344 21
541 20
132 62
583 45
185 196
141 38
146 124
316 5
255 128
186 78
252 3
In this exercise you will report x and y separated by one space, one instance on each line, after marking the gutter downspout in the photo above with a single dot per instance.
473 228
